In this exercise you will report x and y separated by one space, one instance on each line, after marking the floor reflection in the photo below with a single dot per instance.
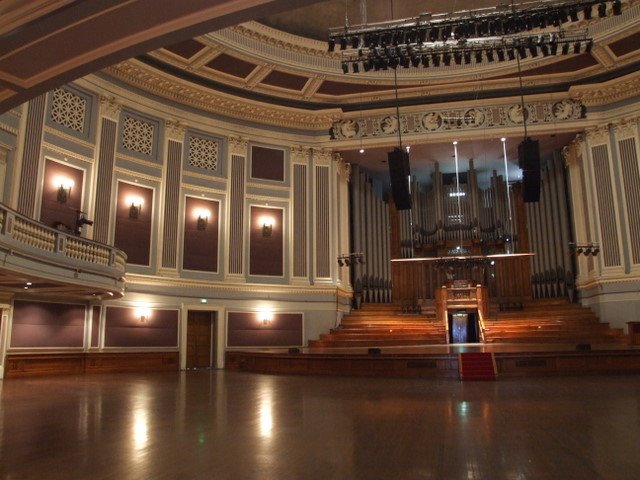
228 425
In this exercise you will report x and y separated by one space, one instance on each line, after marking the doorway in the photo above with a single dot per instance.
201 339
463 327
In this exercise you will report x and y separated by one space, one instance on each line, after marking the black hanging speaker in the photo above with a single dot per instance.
399 173
529 162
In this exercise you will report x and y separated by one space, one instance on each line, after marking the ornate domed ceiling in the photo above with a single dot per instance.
278 71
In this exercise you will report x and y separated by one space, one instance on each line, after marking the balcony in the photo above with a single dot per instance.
37 259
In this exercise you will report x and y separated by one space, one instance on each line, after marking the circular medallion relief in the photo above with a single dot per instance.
432 121
474 117
389 125
349 128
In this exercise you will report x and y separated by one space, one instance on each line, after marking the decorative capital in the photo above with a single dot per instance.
343 168
299 153
598 136
322 156
174 130
238 146
110 108
625 128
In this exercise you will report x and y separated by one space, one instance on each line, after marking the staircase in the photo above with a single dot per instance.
477 366
383 325
550 321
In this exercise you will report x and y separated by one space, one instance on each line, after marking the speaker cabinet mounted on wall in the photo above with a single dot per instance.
399 173
529 162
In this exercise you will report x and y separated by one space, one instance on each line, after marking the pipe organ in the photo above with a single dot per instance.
448 220
371 280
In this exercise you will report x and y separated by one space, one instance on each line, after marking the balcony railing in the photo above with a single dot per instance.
31 240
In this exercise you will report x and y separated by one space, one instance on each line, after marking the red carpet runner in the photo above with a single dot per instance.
477 366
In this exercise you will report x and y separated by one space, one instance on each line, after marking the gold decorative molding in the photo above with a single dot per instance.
164 85
69 138
607 92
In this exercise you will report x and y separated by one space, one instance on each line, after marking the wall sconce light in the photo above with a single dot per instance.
143 313
64 186
265 318
267 226
135 206
348 259
586 249
202 218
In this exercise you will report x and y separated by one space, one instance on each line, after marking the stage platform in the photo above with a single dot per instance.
440 361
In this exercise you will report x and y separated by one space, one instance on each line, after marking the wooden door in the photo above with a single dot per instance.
199 338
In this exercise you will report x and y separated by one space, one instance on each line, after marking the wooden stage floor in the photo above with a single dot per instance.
440 361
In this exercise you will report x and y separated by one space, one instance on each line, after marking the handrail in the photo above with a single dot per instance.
21 234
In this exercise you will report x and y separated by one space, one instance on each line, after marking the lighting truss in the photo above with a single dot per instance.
478 35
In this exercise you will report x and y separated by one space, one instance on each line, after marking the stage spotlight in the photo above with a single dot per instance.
425 61
356 67
404 61
565 49
533 49
343 43
576 47
573 13
511 54
422 35
553 43
355 42
457 56
345 67
522 51
617 7
367 65
545 50
446 59
542 21
602 10
500 53
332 44
436 59
434 33
415 61
479 55
393 62
562 15
467 57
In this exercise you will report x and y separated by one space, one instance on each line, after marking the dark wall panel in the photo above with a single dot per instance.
38 324
200 250
133 235
266 251
247 329
54 210
123 328
267 163
95 326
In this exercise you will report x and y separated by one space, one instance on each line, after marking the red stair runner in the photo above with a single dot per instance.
477 366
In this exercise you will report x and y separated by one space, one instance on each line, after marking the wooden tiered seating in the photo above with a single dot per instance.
550 321
383 325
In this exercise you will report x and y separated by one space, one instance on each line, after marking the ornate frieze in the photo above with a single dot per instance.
607 92
166 86
499 116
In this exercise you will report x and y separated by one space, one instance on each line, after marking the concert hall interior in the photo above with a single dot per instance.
436 191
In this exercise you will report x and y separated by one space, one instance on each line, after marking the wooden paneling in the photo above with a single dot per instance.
123 328
246 329
34 365
40 324
523 364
